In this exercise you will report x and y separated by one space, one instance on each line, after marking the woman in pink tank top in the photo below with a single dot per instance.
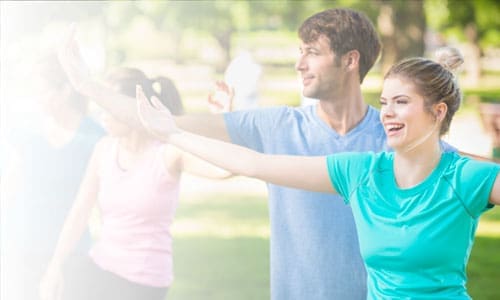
134 180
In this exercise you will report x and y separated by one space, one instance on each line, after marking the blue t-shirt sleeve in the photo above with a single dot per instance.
253 128
474 182
347 170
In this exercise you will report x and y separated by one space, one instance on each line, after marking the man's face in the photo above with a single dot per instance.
319 71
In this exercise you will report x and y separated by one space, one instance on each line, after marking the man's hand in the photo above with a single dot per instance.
154 116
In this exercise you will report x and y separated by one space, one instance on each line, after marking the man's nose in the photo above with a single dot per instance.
300 63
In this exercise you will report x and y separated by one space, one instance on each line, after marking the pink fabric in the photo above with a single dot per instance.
137 208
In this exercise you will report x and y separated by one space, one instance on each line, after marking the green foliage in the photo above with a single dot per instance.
452 17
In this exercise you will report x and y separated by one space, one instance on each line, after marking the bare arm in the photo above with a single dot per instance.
196 166
478 157
120 106
294 171
308 173
178 161
495 192
209 125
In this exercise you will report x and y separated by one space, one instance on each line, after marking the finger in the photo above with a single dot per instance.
69 52
215 104
142 106
139 96
231 92
211 100
222 86
158 104
141 102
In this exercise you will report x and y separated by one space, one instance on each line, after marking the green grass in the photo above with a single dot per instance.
484 265
221 250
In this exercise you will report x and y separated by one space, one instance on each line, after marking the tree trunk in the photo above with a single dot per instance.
402 26
224 40
473 54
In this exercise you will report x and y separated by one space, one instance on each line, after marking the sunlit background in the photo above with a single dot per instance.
221 231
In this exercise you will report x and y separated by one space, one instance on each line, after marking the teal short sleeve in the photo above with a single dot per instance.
336 176
474 183
347 170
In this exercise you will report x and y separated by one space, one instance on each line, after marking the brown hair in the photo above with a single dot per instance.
347 30
434 80
126 79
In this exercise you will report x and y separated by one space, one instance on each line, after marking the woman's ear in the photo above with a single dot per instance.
440 110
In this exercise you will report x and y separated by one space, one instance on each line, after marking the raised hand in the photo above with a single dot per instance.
221 100
154 116
71 60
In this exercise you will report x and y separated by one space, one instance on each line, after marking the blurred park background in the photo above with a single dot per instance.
221 232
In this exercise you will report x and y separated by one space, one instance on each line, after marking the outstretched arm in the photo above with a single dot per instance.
118 105
309 173
121 106
302 172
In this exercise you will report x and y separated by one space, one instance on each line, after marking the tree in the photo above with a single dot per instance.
474 22
401 25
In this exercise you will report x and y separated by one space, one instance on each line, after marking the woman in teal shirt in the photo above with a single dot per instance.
416 209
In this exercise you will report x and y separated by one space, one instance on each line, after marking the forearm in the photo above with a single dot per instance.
308 173
120 106
236 159
208 125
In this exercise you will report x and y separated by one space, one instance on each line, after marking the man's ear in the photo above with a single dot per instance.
351 59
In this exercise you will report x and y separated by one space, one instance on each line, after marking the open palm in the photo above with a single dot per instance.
72 61
154 116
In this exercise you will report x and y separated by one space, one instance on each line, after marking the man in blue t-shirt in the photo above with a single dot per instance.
314 246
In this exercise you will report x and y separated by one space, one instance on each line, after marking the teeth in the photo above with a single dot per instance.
394 127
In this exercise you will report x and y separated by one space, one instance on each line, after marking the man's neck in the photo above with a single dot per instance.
343 114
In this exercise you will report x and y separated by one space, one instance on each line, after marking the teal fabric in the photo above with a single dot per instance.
415 242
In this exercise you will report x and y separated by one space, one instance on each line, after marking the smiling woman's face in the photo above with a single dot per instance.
404 116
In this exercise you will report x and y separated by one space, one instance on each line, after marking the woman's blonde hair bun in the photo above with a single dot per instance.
450 58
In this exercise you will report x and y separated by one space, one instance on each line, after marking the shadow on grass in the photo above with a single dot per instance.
220 251
233 208
218 268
